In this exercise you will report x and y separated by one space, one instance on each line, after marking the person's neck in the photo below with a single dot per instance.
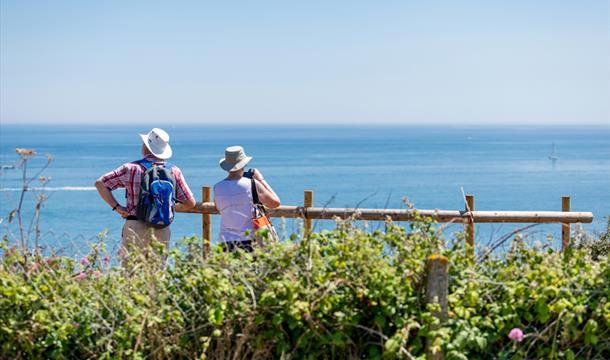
235 176
153 158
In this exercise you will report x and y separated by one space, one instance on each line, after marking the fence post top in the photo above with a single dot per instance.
438 257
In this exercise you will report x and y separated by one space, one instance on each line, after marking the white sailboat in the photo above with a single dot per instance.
553 155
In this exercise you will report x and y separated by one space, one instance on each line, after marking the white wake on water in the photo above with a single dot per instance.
60 188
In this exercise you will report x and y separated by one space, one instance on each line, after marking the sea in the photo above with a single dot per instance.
504 167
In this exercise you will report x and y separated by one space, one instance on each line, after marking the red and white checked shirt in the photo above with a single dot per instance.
129 176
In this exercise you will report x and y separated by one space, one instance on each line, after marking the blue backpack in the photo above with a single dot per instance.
156 202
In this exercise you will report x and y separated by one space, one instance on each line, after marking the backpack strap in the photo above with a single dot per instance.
255 199
145 163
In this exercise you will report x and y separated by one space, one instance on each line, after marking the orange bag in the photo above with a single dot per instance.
263 228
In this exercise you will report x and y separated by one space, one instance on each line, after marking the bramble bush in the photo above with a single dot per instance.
342 294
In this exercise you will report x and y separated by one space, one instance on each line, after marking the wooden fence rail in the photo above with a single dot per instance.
469 216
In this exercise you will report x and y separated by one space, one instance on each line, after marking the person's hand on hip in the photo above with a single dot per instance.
122 210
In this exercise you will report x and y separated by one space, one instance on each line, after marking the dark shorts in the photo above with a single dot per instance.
231 246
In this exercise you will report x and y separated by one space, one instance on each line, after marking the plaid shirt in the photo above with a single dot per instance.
129 176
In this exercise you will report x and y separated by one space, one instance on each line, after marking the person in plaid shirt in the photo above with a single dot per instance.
137 233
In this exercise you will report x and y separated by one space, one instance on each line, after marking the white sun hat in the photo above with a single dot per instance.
235 159
157 142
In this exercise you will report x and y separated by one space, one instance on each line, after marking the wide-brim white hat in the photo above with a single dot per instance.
157 142
235 159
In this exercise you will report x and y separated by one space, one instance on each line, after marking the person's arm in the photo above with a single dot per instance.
186 204
106 183
183 193
266 195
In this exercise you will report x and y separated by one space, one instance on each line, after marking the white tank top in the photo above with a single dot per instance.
234 201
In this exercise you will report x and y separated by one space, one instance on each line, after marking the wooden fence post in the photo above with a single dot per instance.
470 225
565 227
307 202
437 288
206 221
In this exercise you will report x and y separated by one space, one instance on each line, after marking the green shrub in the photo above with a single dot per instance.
339 294
598 245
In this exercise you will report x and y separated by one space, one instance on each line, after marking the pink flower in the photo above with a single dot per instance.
81 276
516 334
33 268
106 259
10 251
84 261
97 274
50 261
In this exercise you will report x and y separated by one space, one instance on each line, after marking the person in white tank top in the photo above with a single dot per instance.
233 199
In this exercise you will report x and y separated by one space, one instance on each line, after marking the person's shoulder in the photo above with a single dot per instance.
221 184
175 169
245 181
132 165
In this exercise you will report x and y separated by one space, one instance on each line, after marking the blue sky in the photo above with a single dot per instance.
366 62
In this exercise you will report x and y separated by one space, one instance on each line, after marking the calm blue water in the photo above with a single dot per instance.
506 168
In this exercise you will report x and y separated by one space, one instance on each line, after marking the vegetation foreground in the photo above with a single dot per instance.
341 294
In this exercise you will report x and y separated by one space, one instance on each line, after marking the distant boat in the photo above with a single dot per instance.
553 155
6 167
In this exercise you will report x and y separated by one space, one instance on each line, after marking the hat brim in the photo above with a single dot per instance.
230 167
163 155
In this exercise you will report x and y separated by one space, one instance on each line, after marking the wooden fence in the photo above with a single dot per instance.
469 216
